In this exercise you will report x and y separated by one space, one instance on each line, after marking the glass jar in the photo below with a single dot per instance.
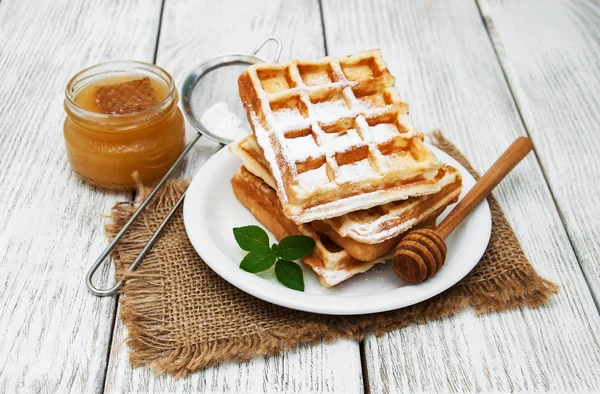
106 149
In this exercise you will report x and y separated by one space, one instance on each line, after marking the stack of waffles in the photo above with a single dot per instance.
334 156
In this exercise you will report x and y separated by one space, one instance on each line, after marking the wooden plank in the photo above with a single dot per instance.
55 334
554 75
447 70
192 32
328 368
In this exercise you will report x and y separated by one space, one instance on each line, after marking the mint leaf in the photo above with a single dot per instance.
290 274
259 259
249 237
295 247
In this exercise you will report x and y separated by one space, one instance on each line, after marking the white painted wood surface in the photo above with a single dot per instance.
190 33
550 51
447 70
54 334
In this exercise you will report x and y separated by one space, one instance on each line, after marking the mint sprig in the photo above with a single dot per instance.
249 237
295 247
261 257
290 274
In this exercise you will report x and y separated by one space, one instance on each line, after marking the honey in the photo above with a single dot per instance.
122 94
122 118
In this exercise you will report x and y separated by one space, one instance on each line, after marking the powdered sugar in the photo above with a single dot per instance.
341 141
302 147
262 138
363 105
288 118
382 132
335 276
219 120
310 179
356 170
328 111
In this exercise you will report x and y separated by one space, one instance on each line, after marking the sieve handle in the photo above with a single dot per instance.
90 274
279 47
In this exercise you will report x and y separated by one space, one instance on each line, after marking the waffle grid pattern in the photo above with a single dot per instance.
330 125
373 225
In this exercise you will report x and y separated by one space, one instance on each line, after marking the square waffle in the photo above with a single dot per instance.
364 233
336 135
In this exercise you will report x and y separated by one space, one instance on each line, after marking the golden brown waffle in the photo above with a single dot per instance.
360 251
355 231
386 221
336 135
368 252
329 261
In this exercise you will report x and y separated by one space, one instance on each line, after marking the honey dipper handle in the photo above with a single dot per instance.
484 186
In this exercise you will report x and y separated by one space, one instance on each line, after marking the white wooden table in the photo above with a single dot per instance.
484 71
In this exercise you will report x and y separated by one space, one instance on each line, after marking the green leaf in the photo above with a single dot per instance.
289 274
249 237
259 259
295 247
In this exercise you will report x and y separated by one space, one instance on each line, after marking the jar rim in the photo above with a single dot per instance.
117 66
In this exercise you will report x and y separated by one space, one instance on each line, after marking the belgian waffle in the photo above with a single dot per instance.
336 135
355 231
387 221
329 261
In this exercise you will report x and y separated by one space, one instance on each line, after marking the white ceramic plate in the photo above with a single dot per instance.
211 211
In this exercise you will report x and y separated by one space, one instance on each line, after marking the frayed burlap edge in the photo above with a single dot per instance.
149 339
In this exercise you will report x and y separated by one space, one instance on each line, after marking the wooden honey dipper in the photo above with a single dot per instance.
421 253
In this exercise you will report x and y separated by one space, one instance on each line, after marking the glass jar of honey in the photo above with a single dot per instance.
122 117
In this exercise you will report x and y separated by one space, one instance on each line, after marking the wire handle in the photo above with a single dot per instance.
138 211
279 47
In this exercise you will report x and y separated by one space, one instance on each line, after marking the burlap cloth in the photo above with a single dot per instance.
182 317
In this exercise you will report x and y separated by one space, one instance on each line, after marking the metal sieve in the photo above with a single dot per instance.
193 116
